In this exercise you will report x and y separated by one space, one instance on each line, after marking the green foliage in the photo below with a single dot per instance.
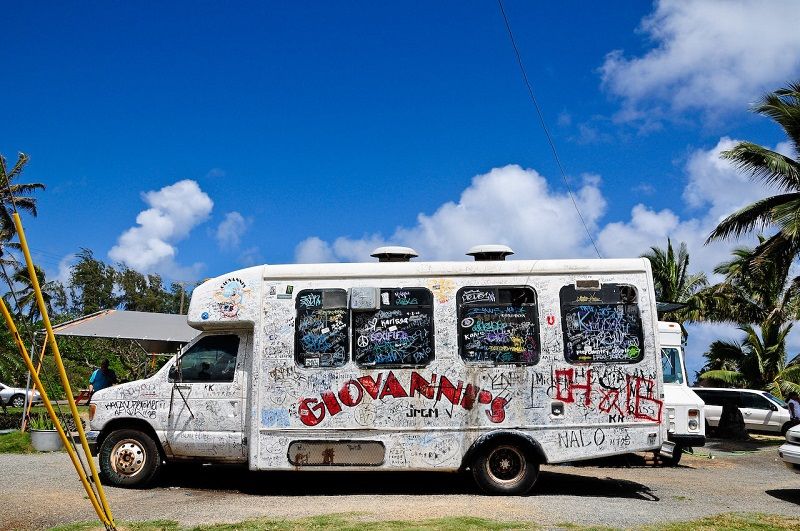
674 282
781 211
91 284
42 421
758 296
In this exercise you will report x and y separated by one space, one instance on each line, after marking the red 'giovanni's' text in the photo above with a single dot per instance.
312 411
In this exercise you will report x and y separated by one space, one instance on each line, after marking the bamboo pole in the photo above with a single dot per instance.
49 406
51 338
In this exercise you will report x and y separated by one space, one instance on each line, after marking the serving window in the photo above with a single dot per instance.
322 327
601 324
498 324
399 333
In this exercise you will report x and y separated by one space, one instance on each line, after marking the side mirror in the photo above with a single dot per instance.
173 373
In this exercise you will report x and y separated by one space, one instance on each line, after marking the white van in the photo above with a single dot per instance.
760 410
492 366
683 409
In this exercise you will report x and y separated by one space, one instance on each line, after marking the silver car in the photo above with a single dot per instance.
15 396
790 452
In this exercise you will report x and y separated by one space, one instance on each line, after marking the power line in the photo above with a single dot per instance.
544 127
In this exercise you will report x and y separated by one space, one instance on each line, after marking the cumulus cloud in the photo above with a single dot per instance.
508 205
708 55
174 211
231 229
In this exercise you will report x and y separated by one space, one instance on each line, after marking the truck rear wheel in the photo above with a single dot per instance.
129 458
505 468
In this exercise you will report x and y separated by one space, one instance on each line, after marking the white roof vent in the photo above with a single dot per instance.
485 253
394 253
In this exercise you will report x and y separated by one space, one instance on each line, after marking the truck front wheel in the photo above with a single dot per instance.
129 458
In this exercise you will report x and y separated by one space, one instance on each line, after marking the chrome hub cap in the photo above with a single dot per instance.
128 457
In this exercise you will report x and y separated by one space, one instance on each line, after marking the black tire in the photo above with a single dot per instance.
677 453
129 458
17 401
505 468
709 430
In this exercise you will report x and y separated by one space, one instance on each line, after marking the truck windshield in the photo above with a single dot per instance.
672 365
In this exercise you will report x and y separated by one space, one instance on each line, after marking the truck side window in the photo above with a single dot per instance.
498 324
211 359
601 324
322 328
399 334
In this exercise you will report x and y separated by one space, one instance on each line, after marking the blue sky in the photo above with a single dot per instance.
195 138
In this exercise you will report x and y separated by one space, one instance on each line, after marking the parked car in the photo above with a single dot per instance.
15 396
790 451
761 411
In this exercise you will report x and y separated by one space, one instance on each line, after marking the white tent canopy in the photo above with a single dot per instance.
157 333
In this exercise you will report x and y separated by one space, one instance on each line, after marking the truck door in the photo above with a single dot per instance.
205 416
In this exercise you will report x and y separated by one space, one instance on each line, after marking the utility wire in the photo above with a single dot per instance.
544 127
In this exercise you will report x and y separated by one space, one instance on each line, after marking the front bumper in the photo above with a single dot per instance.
790 453
686 440
91 438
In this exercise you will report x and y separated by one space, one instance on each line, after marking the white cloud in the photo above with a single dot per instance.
230 231
313 250
174 211
65 268
509 205
708 55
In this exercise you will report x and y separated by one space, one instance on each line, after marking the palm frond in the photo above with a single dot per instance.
727 377
763 164
755 215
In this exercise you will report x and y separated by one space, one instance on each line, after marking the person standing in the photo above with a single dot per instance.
102 378
794 408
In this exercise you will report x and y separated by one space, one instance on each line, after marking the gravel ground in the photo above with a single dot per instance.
42 490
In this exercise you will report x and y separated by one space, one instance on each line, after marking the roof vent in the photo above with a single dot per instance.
485 253
394 254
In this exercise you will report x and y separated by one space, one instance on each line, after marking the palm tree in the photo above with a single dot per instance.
758 362
673 282
15 196
775 169
53 293
757 296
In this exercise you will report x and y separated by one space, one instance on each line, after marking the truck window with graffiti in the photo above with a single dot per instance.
601 325
322 328
399 333
498 324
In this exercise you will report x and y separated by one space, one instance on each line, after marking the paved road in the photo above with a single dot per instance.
41 490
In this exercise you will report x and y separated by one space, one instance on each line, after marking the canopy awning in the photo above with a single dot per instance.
157 333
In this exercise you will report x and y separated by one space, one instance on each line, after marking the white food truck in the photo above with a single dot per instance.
684 410
493 366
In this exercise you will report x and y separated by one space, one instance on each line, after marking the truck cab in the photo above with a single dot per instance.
683 409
